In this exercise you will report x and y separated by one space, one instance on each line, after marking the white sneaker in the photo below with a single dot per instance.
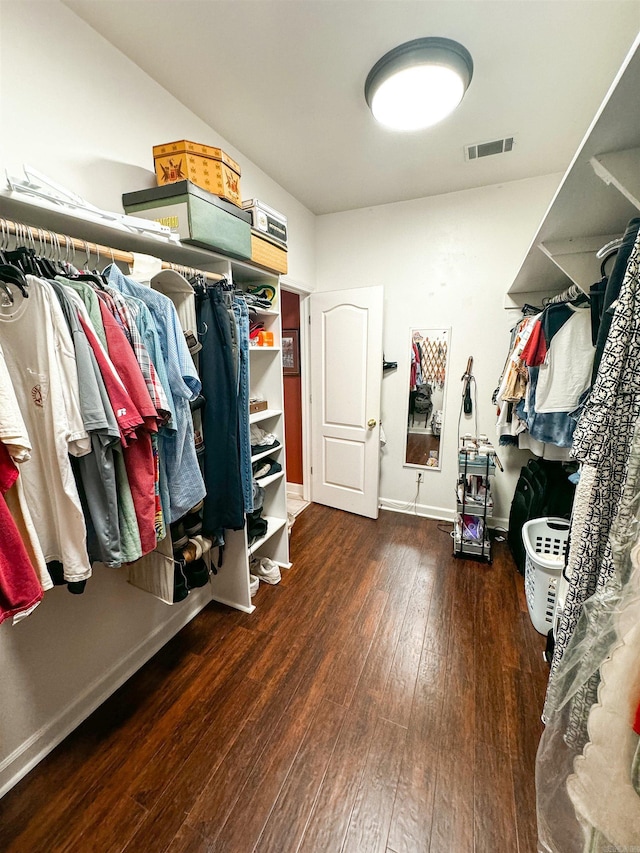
266 570
254 583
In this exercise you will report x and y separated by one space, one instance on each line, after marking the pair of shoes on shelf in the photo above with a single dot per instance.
196 573
188 576
187 527
178 536
192 524
265 569
196 547
180 588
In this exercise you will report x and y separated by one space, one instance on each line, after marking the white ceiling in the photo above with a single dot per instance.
283 81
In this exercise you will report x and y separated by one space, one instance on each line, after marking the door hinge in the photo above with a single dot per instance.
312 469
309 319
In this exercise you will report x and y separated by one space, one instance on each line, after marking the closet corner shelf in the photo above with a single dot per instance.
598 195
264 415
266 481
264 349
264 453
273 526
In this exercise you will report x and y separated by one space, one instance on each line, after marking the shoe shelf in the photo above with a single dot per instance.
266 481
264 453
264 415
274 524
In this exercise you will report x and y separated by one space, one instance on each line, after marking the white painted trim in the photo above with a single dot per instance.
435 512
305 377
25 757
296 489
423 510
234 604
294 286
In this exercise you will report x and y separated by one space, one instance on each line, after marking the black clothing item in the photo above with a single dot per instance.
223 504
613 290
596 297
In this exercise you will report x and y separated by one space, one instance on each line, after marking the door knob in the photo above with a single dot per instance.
371 423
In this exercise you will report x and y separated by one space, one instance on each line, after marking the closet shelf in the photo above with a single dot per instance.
620 169
75 224
264 349
264 415
265 481
598 195
264 453
273 526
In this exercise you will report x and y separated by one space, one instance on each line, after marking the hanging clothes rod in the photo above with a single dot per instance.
65 247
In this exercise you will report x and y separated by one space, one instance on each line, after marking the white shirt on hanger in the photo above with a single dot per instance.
566 371
40 357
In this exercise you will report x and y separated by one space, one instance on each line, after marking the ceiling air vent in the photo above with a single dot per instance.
487 149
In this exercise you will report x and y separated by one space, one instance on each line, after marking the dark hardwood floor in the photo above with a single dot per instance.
419 445
383 697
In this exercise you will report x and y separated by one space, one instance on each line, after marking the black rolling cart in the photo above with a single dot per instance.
474 504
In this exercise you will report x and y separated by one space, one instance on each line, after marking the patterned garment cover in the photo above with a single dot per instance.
602 439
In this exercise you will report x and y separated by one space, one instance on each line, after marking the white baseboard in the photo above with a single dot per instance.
435 512
296 489
423 510
25 757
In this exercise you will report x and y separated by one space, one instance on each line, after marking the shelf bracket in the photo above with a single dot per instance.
576 257
620 169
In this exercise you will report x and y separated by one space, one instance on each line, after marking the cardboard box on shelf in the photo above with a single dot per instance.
208 167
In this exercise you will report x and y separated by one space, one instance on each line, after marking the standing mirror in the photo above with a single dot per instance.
426 384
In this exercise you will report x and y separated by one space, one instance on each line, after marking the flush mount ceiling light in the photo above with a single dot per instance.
418 83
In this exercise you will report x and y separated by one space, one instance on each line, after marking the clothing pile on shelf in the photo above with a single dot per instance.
588 766
99 458
546 377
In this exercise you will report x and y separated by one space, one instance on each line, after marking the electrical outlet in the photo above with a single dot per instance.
419 477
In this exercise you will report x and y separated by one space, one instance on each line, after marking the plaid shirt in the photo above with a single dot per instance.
118 306
186 486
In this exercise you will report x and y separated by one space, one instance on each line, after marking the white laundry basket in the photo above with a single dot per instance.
545 542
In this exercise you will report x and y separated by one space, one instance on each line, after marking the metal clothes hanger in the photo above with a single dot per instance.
10 273
610 248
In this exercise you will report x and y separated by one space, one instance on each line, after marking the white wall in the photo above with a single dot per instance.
444 261
75 108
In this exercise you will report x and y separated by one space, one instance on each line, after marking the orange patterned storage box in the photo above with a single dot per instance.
209 168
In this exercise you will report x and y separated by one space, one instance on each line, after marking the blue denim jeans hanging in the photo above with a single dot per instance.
223 504
242 323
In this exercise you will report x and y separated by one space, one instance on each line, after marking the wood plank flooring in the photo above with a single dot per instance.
383 697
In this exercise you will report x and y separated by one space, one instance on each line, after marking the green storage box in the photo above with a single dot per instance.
196 215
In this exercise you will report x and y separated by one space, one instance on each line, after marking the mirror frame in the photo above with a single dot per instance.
407 375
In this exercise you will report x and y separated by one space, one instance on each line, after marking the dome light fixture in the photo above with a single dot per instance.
418 83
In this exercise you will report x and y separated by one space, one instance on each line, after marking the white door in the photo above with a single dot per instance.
346 359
